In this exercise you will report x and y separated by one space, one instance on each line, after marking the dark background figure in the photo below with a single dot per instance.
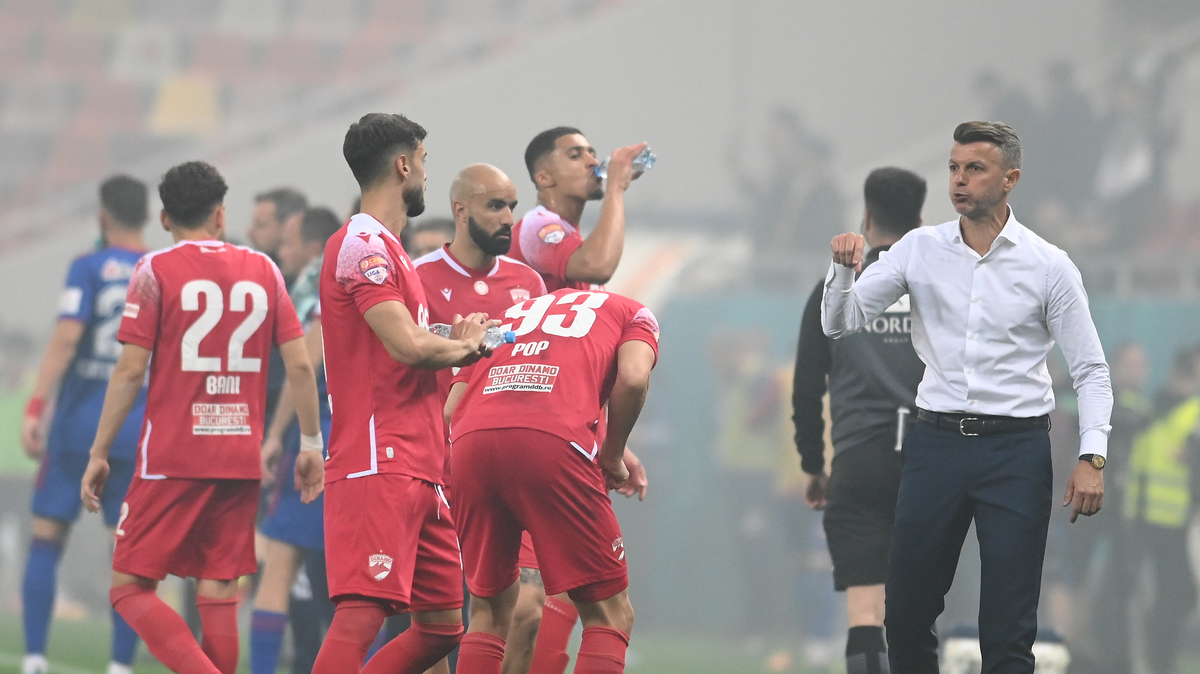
1157 508
872 384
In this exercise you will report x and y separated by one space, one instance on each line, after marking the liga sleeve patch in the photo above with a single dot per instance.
131 310
70 302
645 318
374 267
552 233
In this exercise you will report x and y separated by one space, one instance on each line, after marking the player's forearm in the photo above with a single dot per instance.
302 383
285 412
596 260
437 353
123 389
59 353
624 406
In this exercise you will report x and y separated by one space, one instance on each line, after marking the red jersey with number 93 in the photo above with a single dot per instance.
557 376
210 312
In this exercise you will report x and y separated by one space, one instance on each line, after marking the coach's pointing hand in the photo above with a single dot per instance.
93 483
848 250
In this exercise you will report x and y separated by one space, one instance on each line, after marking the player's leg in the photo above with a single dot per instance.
526 619
166 634
55 506
482 650
607 624
270 617
356 621
436 592
112 501
858 527
216 601
39 588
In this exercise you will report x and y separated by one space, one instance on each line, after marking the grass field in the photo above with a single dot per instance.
81 646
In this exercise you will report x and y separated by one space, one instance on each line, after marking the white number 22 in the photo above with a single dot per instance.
214 308
535 315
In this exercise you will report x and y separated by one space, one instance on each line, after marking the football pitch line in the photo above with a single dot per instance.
15 660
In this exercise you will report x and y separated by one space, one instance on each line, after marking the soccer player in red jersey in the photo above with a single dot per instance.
526 458
389 539
562 164
208 312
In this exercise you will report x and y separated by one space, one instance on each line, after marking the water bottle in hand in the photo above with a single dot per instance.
641 163
494 337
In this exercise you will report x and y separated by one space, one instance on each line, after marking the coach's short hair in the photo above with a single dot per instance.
288 201
374 141
190 192
543 144
126 199
318 225
894 199
997 133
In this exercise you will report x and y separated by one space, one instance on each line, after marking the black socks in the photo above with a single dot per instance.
865 652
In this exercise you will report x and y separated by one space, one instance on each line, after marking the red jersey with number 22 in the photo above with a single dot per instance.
558 375
387 416
210 312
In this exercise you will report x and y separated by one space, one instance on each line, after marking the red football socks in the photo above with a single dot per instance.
218 620
480 653
416 650
602 651
166 634
550 649
355 624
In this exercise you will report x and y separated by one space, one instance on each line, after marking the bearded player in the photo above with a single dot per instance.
562 164
208 313
526 459
389 539
472 274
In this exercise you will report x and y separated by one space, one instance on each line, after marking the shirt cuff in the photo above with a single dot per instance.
840 277
1093 441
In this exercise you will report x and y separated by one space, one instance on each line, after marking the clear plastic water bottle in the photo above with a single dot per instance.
494 337
641 163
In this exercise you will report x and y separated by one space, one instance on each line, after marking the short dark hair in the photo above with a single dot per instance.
318 225
894 199
190 192
126 199
288 201
374 140
543 144
997 133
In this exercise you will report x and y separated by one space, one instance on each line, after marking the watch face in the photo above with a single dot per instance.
1098 462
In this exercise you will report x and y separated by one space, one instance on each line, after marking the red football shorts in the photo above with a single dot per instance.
513 479
188 528
391 537
527 558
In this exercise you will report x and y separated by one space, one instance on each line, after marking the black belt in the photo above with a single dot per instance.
983 424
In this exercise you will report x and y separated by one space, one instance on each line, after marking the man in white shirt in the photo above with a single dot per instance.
989 298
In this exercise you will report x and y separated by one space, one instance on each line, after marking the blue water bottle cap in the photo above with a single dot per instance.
510 337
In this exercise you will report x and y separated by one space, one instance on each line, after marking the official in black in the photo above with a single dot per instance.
872 379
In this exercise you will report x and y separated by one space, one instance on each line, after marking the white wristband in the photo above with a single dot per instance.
312 443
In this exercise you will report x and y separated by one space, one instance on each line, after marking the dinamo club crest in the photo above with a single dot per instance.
380 566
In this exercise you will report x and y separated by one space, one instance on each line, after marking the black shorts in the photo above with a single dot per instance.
863 485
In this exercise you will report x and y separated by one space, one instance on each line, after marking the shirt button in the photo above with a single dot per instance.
970 402
970 370
971 336
974 299
390 454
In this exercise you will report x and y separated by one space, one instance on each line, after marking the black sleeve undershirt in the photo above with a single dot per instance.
813 360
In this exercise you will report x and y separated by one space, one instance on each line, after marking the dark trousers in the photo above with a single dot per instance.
1004 483
1175 594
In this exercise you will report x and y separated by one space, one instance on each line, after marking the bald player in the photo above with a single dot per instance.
471 274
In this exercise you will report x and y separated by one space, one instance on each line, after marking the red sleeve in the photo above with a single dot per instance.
287 322
143 304
463 375
642 327
367 272
547 243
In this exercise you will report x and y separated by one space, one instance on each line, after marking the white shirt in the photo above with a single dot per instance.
983 326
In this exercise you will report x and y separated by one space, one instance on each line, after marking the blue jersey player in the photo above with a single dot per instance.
78 361
294 531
